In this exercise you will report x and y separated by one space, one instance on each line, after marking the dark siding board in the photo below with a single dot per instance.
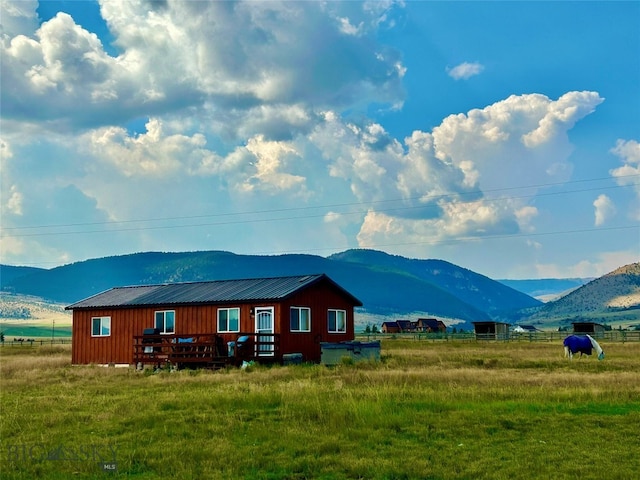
319 300
194 319
118 347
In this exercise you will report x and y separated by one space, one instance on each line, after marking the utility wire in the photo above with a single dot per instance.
433 198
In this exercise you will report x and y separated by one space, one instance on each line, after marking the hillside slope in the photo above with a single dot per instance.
482 292
616 291
439 288
8 273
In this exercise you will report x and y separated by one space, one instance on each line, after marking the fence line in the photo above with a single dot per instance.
32 342
606 336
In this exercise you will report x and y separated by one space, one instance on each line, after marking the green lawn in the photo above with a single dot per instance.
438 410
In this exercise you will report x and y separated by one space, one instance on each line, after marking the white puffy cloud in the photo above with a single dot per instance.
629 153
260 165
155 153
465 70
561 116
254 121
629 173
14 204
604 209
271 165
497 139
17 18
177 55
59 68
451 183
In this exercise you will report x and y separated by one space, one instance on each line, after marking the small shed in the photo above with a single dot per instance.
488 330
591 328
267 318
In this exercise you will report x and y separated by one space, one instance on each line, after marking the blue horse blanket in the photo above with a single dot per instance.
578 344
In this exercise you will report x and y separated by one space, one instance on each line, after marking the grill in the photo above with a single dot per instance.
152 333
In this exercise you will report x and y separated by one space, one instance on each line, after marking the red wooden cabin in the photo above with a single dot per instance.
279 316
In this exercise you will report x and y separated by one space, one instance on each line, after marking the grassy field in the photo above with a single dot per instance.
25 329
428 410
45 320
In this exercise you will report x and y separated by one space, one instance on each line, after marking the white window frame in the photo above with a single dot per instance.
163 330
336 311
299 329
227 329
103 321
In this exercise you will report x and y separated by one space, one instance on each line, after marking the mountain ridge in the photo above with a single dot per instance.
390 286
615 291
383 290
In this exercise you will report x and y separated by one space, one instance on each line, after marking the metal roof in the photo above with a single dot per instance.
218 291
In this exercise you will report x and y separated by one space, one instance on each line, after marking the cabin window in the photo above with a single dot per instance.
101 326
300 319
337 321
228 320
166 321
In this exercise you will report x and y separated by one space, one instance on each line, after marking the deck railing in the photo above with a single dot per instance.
204 349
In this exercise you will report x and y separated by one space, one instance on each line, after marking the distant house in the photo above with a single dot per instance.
491 330
406 325
398 326
590 328
390 327
280 316
430 325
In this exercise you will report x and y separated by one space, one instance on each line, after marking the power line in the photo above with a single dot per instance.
433 198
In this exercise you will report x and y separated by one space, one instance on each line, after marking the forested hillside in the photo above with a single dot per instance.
385 289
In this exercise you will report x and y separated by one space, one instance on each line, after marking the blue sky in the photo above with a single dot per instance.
499 136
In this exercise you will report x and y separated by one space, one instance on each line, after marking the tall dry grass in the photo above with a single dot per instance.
428 410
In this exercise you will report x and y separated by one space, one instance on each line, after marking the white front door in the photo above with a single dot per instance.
264 330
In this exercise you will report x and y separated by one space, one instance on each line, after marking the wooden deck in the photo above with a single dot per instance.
204 350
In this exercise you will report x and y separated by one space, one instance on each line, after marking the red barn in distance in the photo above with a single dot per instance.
421 325
430 325
195 322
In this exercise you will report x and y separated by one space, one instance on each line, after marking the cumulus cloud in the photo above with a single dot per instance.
259 120
449 183
155 153
465 70
14 204
271 165
604 209
629 153
17 18
562 115
628 174
260 165
178 55
60 64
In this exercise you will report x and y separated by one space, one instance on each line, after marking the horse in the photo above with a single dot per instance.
581 344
